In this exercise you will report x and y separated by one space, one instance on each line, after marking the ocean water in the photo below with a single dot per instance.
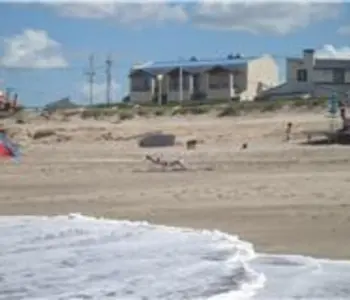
76 257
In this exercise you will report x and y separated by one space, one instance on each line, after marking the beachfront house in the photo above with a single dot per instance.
234 78
312 76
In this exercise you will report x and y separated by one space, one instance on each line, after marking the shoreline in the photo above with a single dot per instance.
284 198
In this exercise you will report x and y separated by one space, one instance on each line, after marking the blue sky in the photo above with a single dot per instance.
44 47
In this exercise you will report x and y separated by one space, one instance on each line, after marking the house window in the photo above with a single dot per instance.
338 76
302 75
219 81
197 82
140 84
174 82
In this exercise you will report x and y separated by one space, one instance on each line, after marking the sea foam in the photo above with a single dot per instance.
78 257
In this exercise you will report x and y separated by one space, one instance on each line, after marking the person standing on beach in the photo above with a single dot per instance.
288 131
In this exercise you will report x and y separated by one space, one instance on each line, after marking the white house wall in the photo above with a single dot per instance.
263 71
291 68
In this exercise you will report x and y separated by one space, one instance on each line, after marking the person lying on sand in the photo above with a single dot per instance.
165 163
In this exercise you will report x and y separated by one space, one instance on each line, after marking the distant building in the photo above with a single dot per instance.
231 78
310 76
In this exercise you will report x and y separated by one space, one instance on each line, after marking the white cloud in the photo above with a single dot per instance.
256 17
329 51
344 30
32 49
276 17
124 13
99 91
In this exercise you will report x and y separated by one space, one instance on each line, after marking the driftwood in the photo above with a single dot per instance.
165 163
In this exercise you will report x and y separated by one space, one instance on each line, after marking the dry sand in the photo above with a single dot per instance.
283 197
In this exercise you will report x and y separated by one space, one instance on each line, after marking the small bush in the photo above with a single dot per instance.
142 112
178 110
126 115
91 113
271 106
317 102
299 102
159 112
229 111
246 106
97 113
198 110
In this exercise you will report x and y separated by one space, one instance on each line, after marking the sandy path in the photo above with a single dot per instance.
284 198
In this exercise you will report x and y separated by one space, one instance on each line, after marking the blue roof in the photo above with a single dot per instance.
190 66
198 63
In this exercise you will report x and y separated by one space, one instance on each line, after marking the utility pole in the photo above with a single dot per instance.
91 77
108 79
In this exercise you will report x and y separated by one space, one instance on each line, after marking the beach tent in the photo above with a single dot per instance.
7 147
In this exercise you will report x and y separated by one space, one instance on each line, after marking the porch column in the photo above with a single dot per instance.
231 84
167 83
181 89
207 83
152 88
160 88
190 86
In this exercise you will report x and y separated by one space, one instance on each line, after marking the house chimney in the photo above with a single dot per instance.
309 56
309 62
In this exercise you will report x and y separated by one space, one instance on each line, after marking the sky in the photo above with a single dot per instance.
45 46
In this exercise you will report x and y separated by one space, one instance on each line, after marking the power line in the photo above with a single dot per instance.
91 77
108 79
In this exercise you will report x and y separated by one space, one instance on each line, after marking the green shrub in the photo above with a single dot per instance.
159 112
246 106
271 106
142 112
198 110
125 115
91 113
229 111
97 113
298 102
318 102
178 110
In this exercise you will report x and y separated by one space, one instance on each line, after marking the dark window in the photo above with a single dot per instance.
196 82
338 76
140 84
219 80
302 75
174 83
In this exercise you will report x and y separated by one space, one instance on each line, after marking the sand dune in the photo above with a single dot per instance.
283 197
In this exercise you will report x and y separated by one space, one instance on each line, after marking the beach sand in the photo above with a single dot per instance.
283 197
